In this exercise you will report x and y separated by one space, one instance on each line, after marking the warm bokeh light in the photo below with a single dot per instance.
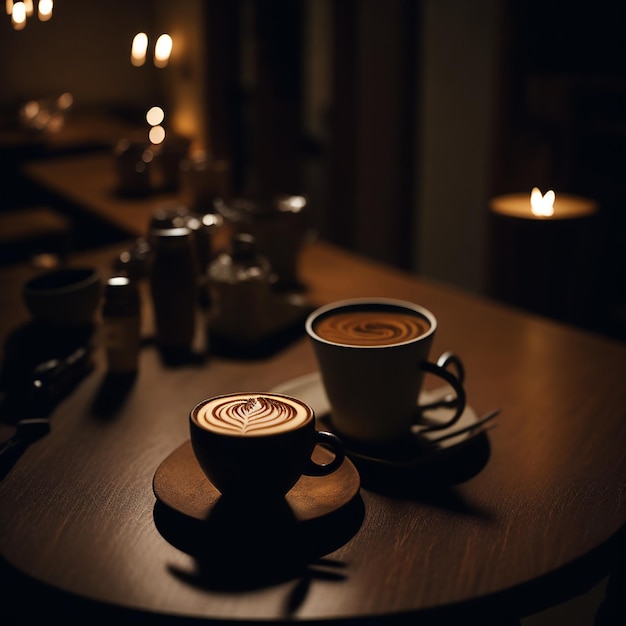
156 134
139 49
295 204
18 15
55 123
65 101
31 109
542 205
20 10
162 50
155 116
44 10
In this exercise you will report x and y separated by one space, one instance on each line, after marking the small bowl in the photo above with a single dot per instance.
67 296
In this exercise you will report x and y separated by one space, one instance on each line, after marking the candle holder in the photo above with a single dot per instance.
546 264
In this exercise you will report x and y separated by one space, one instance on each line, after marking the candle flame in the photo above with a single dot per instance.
542 205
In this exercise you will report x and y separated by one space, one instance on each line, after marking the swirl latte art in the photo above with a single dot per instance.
252 414
370 328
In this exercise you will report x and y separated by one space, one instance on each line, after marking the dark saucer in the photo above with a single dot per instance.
251 545
417 458
180 484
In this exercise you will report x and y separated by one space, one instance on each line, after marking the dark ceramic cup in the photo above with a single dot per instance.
258 445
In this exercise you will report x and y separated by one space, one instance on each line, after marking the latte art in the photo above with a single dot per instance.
370 328
252 414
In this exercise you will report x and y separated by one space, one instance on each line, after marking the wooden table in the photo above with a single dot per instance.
539 522
89 181
82 130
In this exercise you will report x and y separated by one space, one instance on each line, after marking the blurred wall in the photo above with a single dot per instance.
83 49
458 92
184 82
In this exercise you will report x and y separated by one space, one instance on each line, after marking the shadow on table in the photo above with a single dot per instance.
239 547
422 476
32 346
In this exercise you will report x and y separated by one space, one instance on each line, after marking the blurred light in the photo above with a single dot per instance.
42 119
18 16
138 49
55 122
155 116
20 10
31 109
44 10
162 50
296 203
119 281
65 100
156 134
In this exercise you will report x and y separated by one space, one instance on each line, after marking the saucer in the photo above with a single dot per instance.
180 484
418 450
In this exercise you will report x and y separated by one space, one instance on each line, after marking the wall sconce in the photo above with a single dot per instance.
20 10
162 50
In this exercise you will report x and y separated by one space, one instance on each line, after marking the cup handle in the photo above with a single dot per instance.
455 381
331 441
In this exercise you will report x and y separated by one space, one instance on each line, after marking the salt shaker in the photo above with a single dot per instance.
121 325
173 288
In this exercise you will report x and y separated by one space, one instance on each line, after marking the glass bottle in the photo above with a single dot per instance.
240 290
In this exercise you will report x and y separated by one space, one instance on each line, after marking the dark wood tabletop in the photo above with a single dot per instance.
529 516
90 182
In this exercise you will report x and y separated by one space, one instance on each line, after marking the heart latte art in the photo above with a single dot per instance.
370 328
252 414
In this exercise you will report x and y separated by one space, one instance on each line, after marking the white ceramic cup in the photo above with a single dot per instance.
373 378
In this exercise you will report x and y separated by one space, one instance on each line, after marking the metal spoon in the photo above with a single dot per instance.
479 422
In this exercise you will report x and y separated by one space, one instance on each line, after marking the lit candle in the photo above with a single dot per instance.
542 252
535 206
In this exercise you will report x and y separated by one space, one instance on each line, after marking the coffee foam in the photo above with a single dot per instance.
375 327
252 414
